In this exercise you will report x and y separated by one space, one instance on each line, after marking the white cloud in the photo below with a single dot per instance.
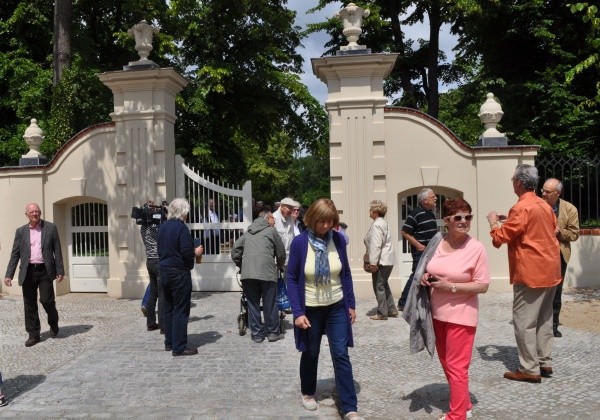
314 44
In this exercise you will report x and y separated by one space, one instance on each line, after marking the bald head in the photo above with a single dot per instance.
33 213
551 191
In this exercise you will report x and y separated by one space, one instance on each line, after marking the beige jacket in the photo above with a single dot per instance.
378 241
568 227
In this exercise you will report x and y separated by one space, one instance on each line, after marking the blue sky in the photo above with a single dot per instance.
313 45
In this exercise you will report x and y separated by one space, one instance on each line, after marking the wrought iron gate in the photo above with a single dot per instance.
219 215
88 247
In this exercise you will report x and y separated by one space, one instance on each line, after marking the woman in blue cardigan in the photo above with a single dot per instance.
322 299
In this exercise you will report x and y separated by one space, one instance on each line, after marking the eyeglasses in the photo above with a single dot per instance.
543 191
460 217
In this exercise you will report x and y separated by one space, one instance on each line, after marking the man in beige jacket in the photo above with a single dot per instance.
567 231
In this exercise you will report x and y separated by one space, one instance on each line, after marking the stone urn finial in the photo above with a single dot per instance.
352 16
490 115
143 33
34 136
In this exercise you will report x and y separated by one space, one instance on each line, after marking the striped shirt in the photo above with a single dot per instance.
421 224
150 238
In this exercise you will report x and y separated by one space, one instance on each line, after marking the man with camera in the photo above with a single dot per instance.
150 216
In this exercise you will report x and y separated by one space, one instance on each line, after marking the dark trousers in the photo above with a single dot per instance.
156 293
557 301
177 285
416 256
256 290
331 320
381 288
37 278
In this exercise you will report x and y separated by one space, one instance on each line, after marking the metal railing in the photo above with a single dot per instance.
580 178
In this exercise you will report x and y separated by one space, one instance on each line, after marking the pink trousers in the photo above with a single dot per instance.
454 345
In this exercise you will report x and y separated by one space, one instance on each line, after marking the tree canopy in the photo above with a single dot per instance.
243 115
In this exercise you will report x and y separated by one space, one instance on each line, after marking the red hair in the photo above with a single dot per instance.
454 205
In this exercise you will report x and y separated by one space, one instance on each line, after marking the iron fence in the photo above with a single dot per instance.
579 176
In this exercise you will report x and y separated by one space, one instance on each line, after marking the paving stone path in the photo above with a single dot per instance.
104 364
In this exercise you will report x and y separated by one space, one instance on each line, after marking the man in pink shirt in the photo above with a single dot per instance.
534 270
37 245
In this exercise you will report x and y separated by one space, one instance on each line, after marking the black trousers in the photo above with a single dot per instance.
37 278
156 293
557 301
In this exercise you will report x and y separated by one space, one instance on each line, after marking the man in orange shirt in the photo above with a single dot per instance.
534 270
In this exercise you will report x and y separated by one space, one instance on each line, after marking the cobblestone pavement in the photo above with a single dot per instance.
104 364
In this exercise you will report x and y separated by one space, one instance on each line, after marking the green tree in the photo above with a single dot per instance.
591 18
521 52
414 81
245 107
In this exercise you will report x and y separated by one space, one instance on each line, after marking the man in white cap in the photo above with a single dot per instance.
284 223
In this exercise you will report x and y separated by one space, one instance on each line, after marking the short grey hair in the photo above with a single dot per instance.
423 194
528 175
179 209
265 214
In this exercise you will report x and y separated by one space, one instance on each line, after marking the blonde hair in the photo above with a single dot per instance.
321 209
378 207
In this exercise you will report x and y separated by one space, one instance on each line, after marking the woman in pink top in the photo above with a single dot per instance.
457 273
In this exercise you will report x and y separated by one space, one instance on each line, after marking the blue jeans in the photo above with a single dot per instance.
331 320
177 289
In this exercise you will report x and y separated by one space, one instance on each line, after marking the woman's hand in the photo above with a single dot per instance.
425 279
352 313
302 322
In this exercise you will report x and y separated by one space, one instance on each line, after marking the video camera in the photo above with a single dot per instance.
147 214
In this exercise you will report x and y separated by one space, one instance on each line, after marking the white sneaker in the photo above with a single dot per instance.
309 402
469 415
353 415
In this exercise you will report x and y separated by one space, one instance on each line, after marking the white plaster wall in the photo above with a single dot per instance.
583 269
83 168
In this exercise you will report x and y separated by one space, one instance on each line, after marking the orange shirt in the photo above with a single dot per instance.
533 250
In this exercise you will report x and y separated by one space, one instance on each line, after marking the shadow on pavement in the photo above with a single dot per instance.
208 337
69 330
505 354
430 398
13 387
200 318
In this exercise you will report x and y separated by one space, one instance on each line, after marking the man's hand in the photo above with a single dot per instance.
199 251
8 282
373 268
420 247
302 322
59 277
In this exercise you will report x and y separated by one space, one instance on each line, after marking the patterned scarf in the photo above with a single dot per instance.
322 275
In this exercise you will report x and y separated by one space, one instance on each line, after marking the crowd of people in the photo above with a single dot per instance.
307 250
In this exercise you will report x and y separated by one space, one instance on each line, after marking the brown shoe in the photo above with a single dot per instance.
393 314
546 372
32 341
379 318
523 377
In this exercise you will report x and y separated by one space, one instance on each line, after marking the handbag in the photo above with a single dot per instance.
283 302
366 264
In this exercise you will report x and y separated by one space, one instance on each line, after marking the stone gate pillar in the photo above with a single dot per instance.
355 104
144 114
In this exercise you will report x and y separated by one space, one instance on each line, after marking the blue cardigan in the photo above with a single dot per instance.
296 283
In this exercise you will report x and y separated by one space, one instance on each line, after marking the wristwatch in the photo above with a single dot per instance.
453 288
